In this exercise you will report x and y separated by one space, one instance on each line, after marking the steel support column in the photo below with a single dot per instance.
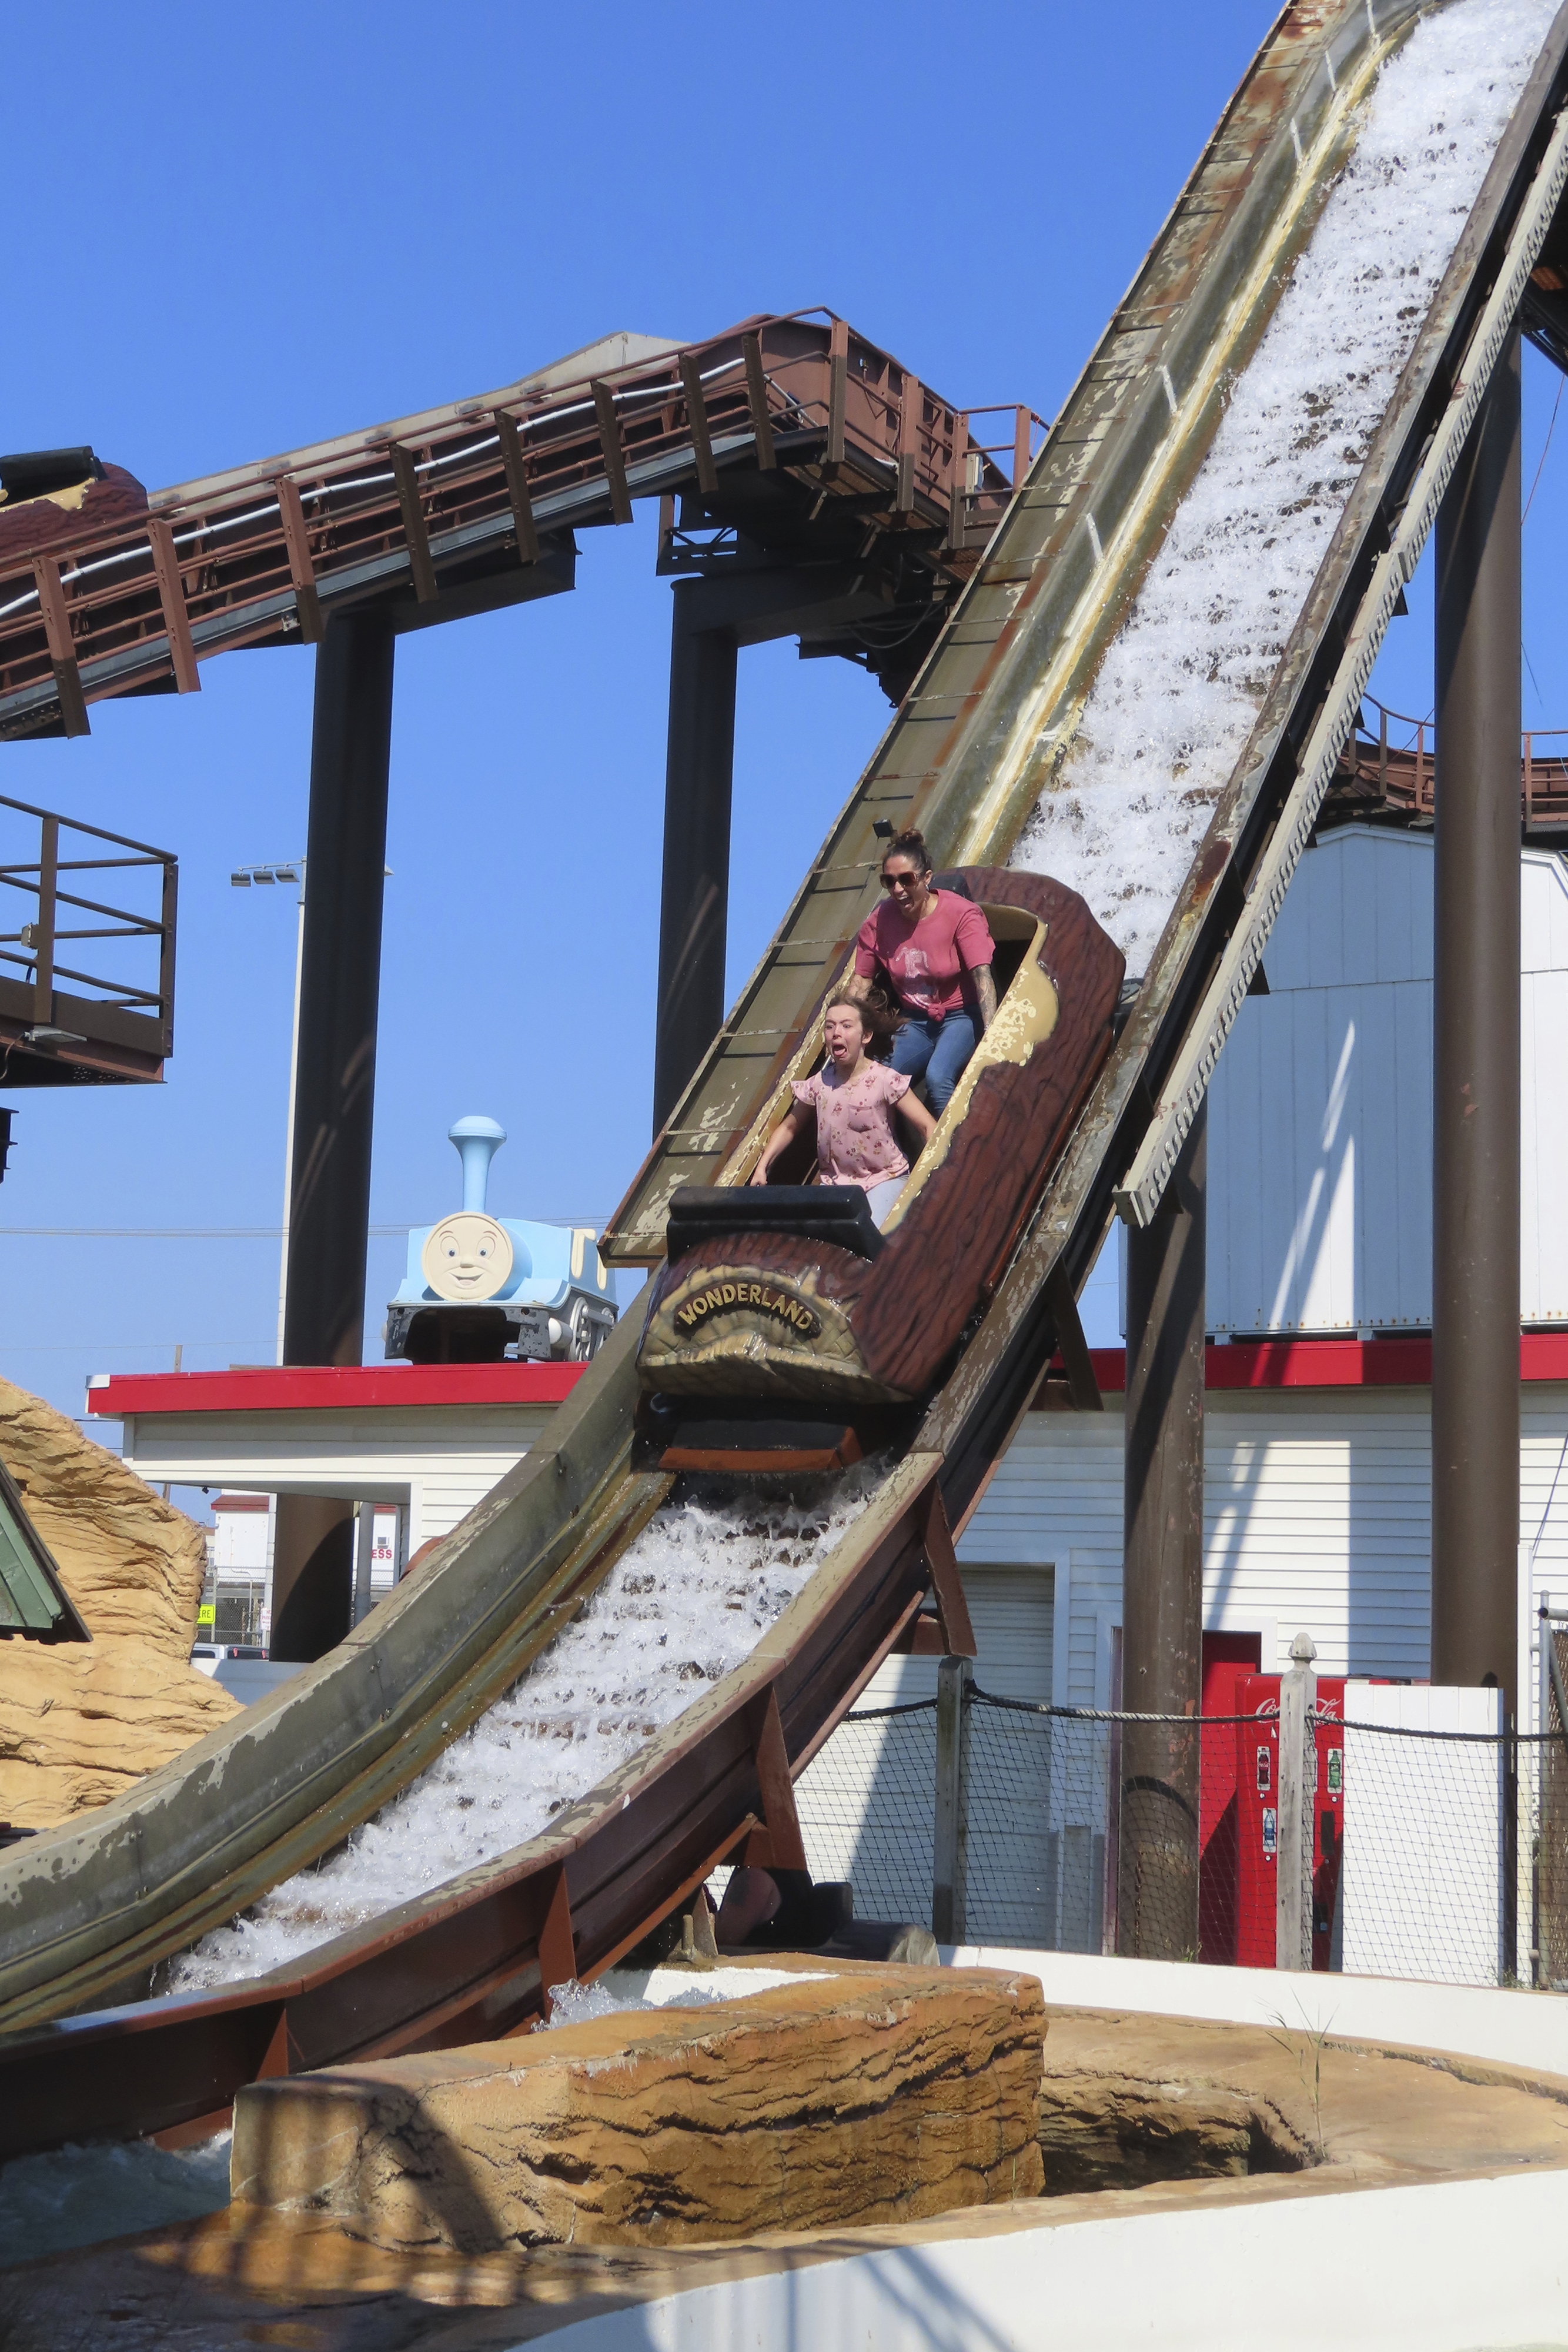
699 767
1476 1042
1162 1574
335 1072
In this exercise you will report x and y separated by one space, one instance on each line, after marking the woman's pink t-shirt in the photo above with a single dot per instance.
855 1141
926 961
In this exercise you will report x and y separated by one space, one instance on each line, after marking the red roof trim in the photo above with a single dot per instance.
330 1387
1239 1364
1332 1363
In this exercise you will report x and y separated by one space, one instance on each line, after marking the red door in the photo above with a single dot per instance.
1227 1660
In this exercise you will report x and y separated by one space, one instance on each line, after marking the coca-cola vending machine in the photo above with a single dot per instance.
1258 1815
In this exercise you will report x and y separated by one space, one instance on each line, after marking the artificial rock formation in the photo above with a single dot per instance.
80 1721
879 2094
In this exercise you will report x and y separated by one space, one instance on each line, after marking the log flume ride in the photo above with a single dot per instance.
983 732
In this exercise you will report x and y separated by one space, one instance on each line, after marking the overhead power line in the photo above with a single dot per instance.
221 1233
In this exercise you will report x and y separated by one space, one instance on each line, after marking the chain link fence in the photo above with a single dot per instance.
1549 1807
1414 1870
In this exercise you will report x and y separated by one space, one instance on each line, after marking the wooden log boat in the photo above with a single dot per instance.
780 1302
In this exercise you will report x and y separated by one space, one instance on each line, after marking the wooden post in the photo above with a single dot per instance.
949 1859
1298 1788
696 417
334 1091
1162 1571
1475 1057
838 389
515 468
700 770
756 401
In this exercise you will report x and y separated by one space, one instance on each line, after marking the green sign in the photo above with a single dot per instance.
206 1615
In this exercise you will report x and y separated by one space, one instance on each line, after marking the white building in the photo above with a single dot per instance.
1320 1138
238 1588
1317 1484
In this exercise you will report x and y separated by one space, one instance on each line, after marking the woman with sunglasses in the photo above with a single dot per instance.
933 950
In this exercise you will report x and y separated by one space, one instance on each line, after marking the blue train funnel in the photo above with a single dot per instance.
477 1140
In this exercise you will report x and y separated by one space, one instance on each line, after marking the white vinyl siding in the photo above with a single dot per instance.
434 1463
1319 1146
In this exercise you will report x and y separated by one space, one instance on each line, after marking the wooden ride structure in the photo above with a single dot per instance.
89 1905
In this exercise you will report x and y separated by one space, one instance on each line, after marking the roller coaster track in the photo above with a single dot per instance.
87 1906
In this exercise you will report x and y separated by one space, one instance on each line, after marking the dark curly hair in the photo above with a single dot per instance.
910 844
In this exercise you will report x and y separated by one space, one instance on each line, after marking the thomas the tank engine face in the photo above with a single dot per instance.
467 1256
477 1284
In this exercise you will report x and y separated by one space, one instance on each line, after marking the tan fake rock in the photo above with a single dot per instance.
888 2094
80 1721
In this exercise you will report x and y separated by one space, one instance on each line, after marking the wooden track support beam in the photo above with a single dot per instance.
301 566
781 1845
1083 1388
958 485
171 596
908 445
415 530
558 1947
838 389
516 469
947 1584
614 458
756 401
62 652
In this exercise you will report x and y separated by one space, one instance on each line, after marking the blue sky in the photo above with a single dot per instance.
233 231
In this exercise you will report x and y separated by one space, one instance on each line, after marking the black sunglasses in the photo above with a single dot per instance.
892 881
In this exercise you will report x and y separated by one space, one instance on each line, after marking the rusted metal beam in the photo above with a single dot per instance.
756 401
44 929
1022 421
247 583
301 569
696 417
557 1946
614 455
168 924
62 653
1475 1056
778 1844
171 596
908 443
1162 1571
1082 1387
416 529
517 473
958 486
837 389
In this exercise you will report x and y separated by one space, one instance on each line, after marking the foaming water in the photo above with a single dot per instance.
1175 698
685 1604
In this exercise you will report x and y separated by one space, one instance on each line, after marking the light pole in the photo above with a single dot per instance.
243 878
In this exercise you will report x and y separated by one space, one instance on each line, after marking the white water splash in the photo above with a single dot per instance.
686 1604
1177 693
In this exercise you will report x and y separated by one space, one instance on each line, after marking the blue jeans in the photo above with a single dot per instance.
938 1052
